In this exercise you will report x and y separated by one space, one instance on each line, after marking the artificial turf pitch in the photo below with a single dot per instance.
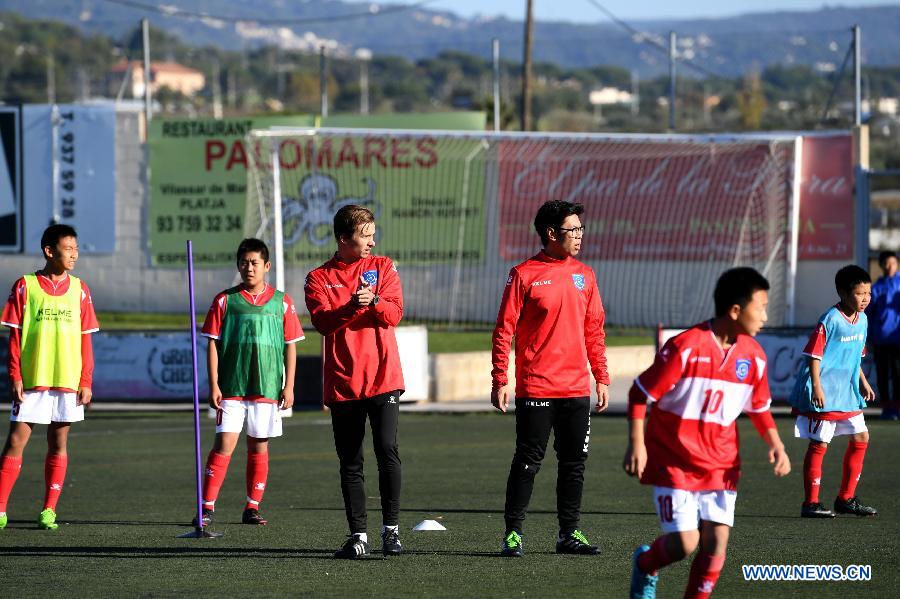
130 491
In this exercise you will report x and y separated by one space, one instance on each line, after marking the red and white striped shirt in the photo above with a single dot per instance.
698 390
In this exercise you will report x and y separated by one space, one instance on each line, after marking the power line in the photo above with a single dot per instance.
837 83
173 11
648 39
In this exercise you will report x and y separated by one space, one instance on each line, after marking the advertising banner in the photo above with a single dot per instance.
131 365
405 181
147 366
198 186
826 198
687 201
69 158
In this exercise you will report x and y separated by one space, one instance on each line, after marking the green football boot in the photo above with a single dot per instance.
3 520
513 545
47 520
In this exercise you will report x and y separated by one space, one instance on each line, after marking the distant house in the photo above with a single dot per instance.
884 226
606 96
176 77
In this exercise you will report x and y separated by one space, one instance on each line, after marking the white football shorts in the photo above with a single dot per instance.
263 418
44 407
681 510
824 431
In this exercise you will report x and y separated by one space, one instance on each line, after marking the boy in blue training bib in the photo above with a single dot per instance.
831 392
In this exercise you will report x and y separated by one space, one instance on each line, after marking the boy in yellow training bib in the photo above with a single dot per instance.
51 363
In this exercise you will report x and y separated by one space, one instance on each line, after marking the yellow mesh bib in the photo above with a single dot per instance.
51 336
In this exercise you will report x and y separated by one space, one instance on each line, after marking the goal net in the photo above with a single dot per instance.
664 215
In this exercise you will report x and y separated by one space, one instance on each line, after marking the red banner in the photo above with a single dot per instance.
675 200
826 199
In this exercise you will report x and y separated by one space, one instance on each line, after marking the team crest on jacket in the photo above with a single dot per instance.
742 368
579 282
371 277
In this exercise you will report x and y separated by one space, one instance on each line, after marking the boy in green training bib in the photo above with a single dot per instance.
51 364
252 329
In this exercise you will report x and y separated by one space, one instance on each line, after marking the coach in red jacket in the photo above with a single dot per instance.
552 307
355 301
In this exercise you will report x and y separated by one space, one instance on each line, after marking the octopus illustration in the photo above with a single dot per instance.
310 216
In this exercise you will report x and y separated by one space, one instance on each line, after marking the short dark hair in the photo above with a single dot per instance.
348 218
883 256
849 277
551 216
252 244
737 286
54 233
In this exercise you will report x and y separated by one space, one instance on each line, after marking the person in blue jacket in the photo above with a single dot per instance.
884 334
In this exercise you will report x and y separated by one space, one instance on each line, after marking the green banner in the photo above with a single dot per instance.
198 180
198 186
427 194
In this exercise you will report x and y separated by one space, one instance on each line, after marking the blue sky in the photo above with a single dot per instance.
583 12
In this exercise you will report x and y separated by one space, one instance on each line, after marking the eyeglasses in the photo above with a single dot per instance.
575 232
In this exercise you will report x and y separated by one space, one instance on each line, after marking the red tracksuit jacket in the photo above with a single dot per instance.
553 309
361 356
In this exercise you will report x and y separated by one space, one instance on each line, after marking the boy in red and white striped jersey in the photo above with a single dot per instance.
700 382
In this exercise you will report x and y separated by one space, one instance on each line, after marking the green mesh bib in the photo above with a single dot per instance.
251 347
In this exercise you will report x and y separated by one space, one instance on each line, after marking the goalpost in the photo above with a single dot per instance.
665 214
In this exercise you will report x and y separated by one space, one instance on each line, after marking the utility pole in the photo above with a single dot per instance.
217 90
672 41
51 79
364 55
526 66
148 106
495 51
323 84
635 93
857 76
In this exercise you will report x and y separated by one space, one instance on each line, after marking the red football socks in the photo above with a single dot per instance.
657 557
54 477
853 465
9 472
812 470
704 573
257 473
216 469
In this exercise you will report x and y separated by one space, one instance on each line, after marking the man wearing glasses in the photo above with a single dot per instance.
552 307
